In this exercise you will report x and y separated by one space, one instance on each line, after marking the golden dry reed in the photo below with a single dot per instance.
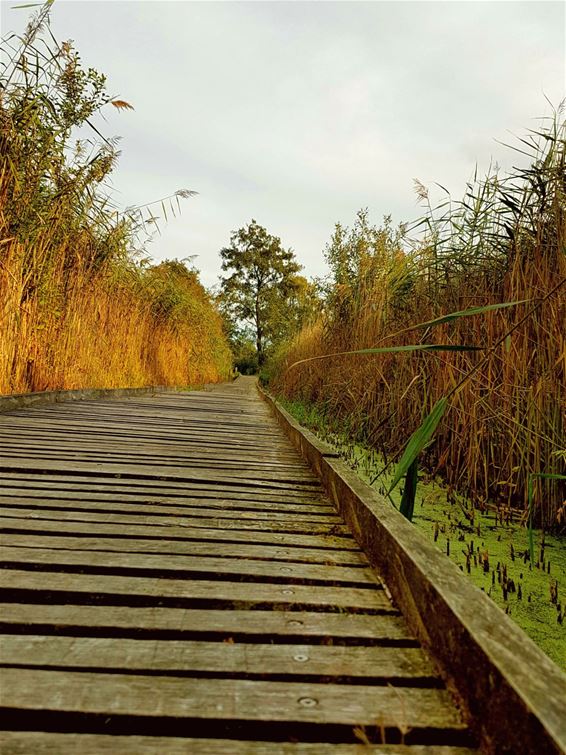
506 423
78 308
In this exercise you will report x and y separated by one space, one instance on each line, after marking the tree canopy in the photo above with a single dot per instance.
262 284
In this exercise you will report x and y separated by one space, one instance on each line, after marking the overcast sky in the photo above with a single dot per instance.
299 113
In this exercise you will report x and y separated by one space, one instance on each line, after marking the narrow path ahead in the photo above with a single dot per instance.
175 581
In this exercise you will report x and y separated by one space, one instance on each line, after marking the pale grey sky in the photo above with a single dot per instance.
299 113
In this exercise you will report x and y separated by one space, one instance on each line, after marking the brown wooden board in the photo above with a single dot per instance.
137 507
219 658
222 469
227 699
185 564
218 431
164 473
278 626
272 553
46 743
78 528
135 589
286 525
50 497
140 488
103 452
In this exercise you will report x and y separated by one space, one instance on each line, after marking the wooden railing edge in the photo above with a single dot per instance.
512 695
10 402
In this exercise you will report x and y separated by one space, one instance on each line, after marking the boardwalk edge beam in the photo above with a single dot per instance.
513 695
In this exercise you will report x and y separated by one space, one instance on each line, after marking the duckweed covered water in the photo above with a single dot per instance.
490 547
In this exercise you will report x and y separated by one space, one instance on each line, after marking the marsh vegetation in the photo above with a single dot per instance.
490 546
461 327
437 366
81 304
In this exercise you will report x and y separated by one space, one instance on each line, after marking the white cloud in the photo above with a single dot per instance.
298 114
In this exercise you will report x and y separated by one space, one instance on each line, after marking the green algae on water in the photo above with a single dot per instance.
490 547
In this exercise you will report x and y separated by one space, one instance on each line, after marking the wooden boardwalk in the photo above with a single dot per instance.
175 581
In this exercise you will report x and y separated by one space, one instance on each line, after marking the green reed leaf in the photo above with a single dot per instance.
410 491
418 440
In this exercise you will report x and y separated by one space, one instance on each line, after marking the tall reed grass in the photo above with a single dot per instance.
506 422
79 307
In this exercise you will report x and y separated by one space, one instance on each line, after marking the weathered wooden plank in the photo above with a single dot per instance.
194 444
209 436
136 589
177 474
186 421
189 547
18 495
175 414
285 525
228 699
47 743
182 417
81 424
156 487
187 564
185 511
157 621
90 432
221 488
190 441
177 533
183 411
153 454
239 471
376 663
218 425
179 407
